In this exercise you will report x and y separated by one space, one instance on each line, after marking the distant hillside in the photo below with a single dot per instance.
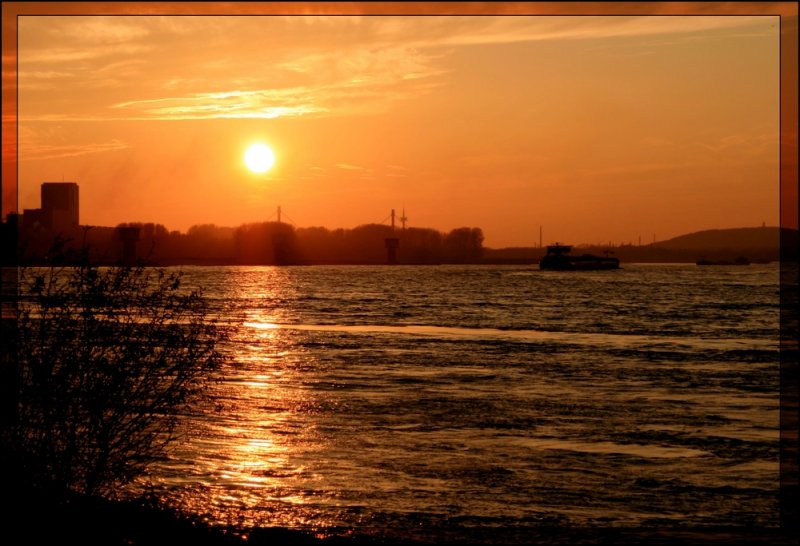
717 239
757 244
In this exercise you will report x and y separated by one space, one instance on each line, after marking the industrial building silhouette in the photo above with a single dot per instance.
53 233
59 212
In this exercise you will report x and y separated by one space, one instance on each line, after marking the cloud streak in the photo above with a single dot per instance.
44 151
503 30
263 104
349 167
377 60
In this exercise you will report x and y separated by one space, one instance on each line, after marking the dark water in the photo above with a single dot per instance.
441 401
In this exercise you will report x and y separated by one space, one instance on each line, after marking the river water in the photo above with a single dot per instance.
444 401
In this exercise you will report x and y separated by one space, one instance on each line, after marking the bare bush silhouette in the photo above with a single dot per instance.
106 361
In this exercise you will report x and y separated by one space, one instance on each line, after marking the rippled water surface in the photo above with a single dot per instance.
436 401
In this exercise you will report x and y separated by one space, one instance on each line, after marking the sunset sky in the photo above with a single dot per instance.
598 128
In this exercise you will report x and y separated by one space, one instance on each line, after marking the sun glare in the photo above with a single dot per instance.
259 158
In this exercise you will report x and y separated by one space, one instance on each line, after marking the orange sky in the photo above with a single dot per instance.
598 128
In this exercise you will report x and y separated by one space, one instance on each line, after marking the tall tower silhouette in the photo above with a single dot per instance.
60 205
391 245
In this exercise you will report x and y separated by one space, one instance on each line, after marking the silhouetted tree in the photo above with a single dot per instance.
421 245
205 242
464 245
366 243
153 240
320 245
106 360
266 243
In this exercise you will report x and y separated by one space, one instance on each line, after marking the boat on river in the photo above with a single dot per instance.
558 258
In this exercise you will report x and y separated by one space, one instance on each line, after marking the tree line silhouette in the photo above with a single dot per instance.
262 243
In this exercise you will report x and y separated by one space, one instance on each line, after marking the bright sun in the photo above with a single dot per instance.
259 158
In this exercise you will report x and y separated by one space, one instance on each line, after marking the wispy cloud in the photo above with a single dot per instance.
282 66
349 167
459 31
358 82
763 142
741 145
265 104
76 54
43 151
396 171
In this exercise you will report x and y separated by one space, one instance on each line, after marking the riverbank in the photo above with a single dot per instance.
91 521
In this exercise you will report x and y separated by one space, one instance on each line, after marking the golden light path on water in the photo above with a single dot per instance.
274 453
316 425
525 335
238 457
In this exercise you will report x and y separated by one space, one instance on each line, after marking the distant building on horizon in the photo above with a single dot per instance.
59 212
60 205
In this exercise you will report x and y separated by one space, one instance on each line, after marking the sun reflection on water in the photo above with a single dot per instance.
324 419
262 325
249 453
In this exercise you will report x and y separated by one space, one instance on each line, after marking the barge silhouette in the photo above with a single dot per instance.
558 258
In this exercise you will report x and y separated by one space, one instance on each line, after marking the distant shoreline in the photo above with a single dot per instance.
368 246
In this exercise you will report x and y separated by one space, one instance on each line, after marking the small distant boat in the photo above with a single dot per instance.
559 259
741 260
